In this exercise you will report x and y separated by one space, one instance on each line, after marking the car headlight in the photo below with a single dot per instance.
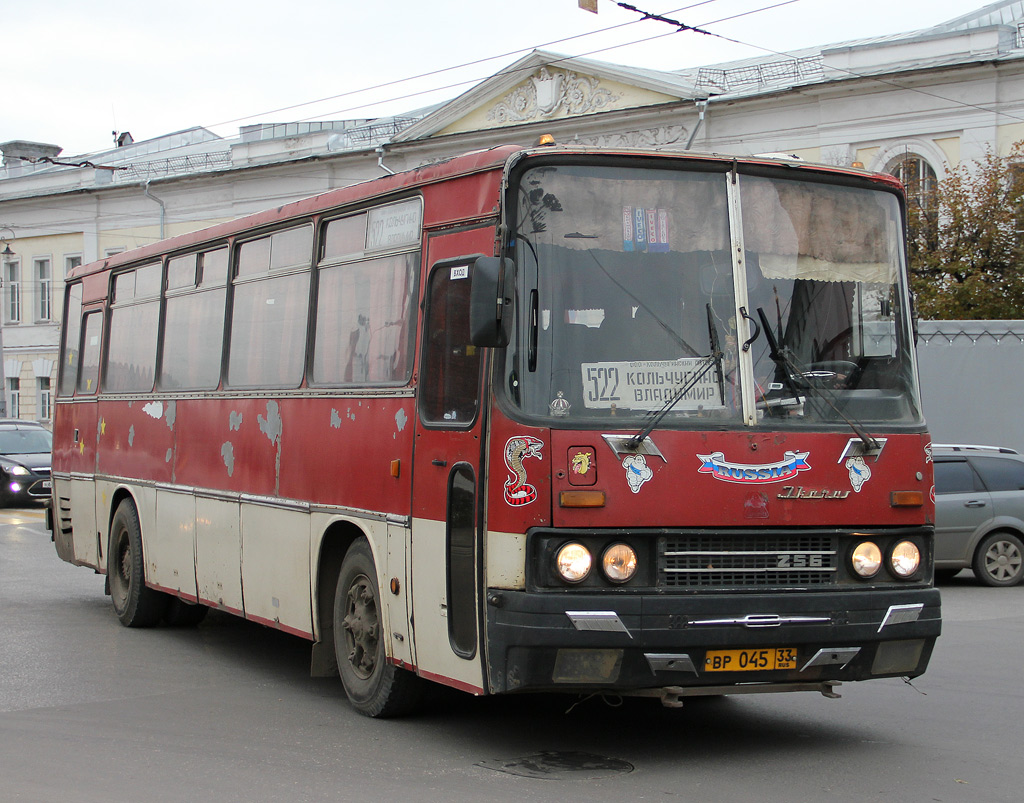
866 559
573 562
619 563
18 471
905 559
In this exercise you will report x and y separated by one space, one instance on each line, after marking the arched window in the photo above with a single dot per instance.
916 174
922 197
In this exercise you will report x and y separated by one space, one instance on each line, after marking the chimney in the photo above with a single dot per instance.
17 152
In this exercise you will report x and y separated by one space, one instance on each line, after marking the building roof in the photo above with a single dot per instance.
989 33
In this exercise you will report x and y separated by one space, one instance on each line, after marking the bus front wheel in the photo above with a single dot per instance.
375 687
134 603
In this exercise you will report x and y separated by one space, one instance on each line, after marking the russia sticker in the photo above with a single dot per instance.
718 467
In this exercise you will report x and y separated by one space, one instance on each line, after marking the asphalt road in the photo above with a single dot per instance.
92 711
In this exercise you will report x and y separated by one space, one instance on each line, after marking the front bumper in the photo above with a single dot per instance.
568 641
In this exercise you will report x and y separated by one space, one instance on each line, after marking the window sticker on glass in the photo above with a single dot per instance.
394 225
648 384
591 318
460 272
644 229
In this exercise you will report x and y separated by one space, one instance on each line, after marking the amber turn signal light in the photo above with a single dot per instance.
581 499
907 498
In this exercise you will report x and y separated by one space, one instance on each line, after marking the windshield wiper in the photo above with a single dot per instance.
713 360
781 357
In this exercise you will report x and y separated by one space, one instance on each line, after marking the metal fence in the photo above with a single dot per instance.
972 382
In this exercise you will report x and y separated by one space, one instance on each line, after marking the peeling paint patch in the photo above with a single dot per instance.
172 414
235 422
401 419
227 453
335 419
131 435
350 414
271 425
170 454
154 409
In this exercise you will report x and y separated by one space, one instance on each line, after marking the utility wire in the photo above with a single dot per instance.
454 67
559 60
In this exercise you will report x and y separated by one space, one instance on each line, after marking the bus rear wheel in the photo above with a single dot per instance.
134 603
374 687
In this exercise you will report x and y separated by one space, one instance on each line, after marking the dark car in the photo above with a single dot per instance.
979 513
25 448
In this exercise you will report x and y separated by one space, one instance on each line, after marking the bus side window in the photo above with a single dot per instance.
270 309
449 387
90 367
194 321
72 341
364 321
134 321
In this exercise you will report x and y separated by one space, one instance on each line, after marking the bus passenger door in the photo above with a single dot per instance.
447 474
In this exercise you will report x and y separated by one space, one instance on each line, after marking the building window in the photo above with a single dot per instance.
70 263
13 296
915 173
45 400
44 283
13 397
922 197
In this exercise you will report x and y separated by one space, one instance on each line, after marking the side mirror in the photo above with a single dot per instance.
490 302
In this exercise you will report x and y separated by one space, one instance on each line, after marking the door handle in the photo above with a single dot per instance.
437 461
974 503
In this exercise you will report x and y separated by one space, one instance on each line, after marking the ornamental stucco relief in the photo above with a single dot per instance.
643 138
550 92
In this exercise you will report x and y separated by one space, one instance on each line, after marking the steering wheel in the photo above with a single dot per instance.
833 374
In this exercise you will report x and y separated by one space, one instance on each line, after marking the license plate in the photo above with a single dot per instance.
750 660
47 484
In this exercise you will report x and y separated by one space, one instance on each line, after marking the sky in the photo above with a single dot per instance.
74 71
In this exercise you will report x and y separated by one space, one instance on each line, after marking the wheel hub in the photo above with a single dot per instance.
362 627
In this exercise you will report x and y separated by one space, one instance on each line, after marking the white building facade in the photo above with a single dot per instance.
916 104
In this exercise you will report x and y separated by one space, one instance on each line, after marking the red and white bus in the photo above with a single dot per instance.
530 419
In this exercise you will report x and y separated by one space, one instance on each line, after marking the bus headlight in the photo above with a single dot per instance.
619 563
573 562
866 559
905 559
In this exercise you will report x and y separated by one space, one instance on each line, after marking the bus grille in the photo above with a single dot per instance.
716 561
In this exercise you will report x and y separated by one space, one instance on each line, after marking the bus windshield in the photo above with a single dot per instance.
633 285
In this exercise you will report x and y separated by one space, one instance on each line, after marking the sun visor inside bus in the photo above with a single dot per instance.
490 301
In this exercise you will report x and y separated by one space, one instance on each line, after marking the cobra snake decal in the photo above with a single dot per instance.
517 490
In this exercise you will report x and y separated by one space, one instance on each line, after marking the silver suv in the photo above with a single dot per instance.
979 513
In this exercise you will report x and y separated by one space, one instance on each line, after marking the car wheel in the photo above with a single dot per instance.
374 686
134 603
999 560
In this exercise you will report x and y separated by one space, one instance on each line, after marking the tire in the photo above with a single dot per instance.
184 614
134 603
999 560
374 687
